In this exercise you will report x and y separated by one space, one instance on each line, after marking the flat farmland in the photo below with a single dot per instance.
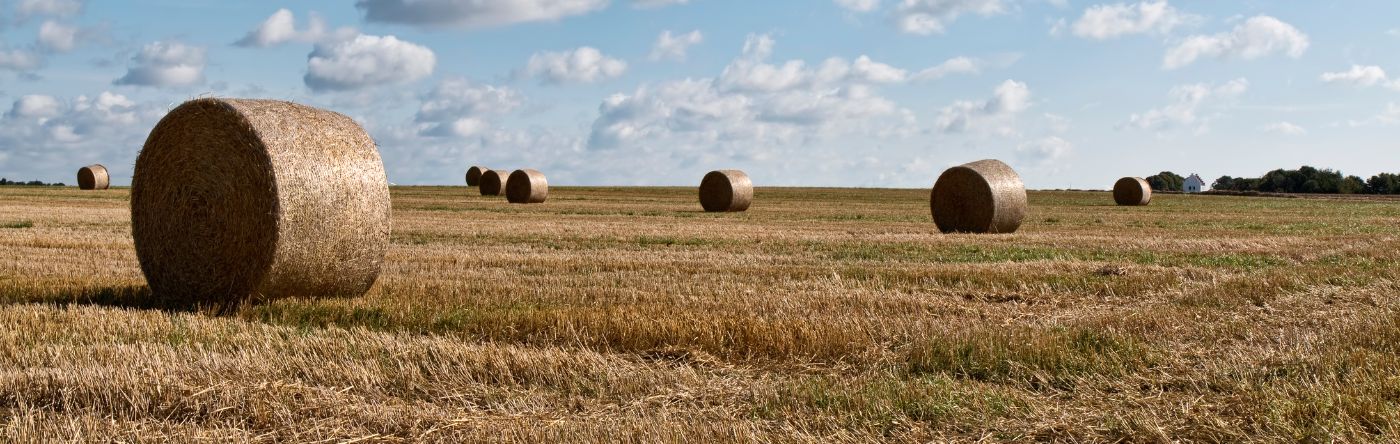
820 315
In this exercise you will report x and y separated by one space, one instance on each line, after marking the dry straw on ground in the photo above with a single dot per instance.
830 316
526 186
985 196
726 190
93 177
1132 191
474 175
257 199
493 182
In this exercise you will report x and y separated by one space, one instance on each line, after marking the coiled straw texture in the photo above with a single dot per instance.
985 196
237 199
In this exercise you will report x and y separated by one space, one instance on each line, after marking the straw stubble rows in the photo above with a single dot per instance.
818 315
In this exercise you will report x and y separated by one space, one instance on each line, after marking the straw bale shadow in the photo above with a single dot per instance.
137 297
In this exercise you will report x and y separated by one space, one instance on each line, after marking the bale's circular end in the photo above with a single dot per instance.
1132 191
526 187
726 190
493 182
236 199
94 177
985 196
474 175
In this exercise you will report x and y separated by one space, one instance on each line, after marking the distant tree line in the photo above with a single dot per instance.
1311 180
33 183
1166 181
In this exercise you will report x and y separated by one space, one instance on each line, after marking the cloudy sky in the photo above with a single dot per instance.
882 93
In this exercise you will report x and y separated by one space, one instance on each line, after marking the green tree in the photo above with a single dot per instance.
1223 183
1352 185
1243 184
1307 179
1383 183
1166 181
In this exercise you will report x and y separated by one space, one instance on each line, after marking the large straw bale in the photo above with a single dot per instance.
985 196
493 182
526 186
1132 191
94 177
474 175
726 190
235 200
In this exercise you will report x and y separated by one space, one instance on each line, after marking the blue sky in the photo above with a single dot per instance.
875 93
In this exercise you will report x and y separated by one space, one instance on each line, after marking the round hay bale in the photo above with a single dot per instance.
240 200
493 182
985 196
93 177
474 175
1132 191
526 186
726 190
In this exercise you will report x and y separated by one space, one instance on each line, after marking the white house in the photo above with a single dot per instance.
1194 184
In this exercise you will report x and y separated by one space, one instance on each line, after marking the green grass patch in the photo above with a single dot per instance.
884 401
1056 356
650 241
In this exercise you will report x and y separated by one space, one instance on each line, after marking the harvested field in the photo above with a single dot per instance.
628 314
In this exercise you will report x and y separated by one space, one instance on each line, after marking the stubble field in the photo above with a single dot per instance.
627 315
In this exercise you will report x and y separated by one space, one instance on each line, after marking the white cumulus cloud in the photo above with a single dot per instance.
1257 37
60 8
795 117
956 65
58 37
47 135
1187 101
753 101
1009 99
1103 22
813 108
875 72
280 28
19 59
366 61
457 107
583 65
753 72
1363 76
859 5
166 63
926 17
1357 75
35 106
673 47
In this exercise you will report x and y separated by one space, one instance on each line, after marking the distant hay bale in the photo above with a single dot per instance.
474 175
726 190
985 196
1132 191
526 186
493 182
93 177
235 200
